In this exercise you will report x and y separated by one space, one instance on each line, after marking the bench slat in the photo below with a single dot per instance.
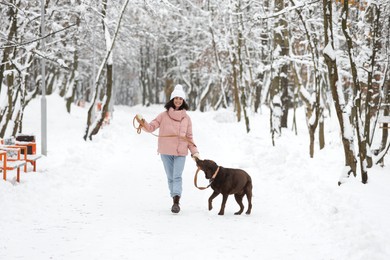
14 164
384 119
33 157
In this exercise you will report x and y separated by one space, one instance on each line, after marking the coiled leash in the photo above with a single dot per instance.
211 180
141 124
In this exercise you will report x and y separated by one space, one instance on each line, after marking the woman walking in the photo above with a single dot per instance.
174 141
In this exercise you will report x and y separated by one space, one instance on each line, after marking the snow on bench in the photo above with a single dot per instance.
384 120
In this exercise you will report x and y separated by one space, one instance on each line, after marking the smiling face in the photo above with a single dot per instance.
178 101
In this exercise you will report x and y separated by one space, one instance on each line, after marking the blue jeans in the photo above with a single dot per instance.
174 166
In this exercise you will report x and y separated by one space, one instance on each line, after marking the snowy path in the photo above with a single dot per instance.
108 199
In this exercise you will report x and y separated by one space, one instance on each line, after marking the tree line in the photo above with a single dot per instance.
327 56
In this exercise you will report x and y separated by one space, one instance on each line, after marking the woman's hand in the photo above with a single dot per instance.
139 118
195 156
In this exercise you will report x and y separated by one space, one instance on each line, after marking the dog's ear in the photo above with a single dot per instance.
213 165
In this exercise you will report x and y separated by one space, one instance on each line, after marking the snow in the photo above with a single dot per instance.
108 43
62 63
108 198
3 97
329 51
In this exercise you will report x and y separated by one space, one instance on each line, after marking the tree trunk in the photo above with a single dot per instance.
376 31
362 140
6 114
222 95
237 103
74 77
144 77
281 44
313 109
336 88
204 95
385 129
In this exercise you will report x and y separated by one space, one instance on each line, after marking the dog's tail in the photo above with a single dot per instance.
248 186
248 192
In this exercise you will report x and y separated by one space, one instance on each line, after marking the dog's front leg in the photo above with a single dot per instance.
224 199
215 194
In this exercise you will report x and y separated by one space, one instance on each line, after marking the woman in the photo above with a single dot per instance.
174 141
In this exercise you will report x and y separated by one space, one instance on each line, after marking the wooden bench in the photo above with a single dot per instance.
384 122
9 163
29 153
28 149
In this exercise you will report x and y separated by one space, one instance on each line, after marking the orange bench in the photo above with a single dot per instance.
9 162
29 153
28 150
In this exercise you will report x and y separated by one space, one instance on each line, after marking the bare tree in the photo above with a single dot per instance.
6 112
74 77
314 109
94 125
362 138
337 90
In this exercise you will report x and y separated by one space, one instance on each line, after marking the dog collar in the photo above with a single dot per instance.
214 175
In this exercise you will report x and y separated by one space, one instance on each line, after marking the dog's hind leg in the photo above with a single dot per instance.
215 194
239 201
224 199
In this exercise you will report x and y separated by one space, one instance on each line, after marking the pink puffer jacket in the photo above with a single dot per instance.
176 123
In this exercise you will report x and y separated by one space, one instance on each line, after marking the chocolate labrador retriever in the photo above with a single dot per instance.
227 181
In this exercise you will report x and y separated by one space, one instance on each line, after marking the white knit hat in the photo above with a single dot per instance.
178 92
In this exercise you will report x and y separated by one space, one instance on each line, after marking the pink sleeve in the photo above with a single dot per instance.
153 125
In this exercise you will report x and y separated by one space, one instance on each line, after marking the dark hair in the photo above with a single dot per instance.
171 104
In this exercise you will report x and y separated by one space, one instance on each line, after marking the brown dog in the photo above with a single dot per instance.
227 181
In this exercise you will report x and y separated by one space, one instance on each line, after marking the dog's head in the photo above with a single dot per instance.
208 166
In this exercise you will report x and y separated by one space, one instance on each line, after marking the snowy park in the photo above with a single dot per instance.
118 102
108 199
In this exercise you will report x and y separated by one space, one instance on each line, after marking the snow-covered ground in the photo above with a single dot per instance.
108 199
